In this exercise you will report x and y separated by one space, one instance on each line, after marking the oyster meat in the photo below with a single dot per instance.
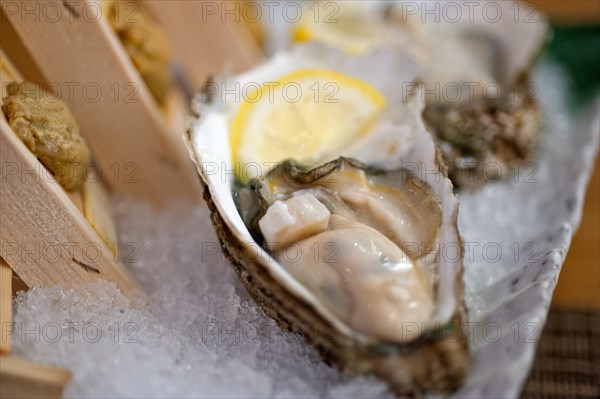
359 241
359 252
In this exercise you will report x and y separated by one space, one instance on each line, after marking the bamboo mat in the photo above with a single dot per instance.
567 363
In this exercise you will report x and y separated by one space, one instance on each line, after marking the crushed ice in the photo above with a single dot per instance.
200 335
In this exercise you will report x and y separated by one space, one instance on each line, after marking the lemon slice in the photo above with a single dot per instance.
349 26
309 115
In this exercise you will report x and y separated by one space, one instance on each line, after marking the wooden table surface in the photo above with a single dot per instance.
579 283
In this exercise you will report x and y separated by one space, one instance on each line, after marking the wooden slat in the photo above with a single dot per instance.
45 239
245 44
96 209
8 73
204 38
5 306
177 114
188 37
13 46
77 199
20 378
124 126
18 284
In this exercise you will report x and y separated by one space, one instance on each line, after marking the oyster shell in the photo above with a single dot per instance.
481 142
475 60
416 351
491 120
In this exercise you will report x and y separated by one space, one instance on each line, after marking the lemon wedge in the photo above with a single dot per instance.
309 115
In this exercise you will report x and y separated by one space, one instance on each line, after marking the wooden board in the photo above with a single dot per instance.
86 66
20 378
5 306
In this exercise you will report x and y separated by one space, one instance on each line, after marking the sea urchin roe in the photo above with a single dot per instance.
48 129
147 45
366 260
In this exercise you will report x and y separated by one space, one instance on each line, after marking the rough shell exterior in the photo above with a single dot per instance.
493 137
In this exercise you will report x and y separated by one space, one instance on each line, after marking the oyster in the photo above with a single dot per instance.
360 241
374 276
475 66
481 102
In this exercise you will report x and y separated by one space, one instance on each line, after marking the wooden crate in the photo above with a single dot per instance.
85 65
45 236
